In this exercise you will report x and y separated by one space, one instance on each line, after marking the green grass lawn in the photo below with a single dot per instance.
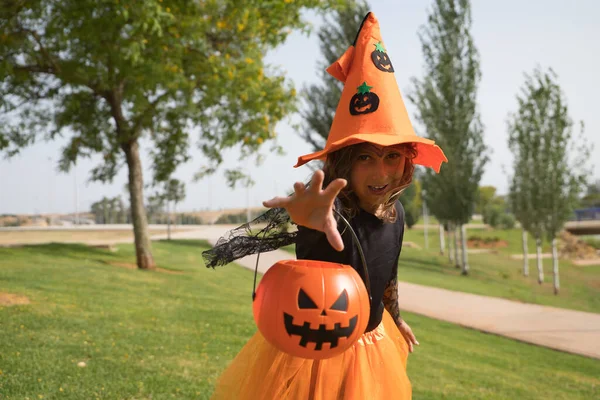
161 335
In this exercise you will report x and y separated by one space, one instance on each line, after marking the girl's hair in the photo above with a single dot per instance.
339 165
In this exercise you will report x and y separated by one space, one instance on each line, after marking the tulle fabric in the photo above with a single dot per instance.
374 368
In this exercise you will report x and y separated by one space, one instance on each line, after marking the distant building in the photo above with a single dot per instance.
586 214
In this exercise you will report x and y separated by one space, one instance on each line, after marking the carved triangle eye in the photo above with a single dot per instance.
304 301
341 304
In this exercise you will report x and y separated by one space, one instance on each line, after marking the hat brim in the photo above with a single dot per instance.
428 153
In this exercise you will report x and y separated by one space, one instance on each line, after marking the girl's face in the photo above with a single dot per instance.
375 172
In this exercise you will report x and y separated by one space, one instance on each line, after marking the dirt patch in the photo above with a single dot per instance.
482 251
530 256
587 262
486 243
9 299
134 266
412 245
573 248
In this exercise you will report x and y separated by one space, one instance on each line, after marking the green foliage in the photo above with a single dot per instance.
592 196
239 218
321 100
497 217
446 105
106 73
110 211
507 221
109 72
592 241
171 191
491 215
412 203
485 194
550 165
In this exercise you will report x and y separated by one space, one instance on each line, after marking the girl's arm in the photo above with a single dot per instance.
390 302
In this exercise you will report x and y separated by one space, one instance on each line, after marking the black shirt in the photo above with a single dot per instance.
381 243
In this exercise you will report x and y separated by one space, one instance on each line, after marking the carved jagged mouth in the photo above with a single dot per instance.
320 335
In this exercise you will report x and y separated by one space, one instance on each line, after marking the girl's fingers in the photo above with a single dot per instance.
277 202
316 183
335 187
299 188
333 236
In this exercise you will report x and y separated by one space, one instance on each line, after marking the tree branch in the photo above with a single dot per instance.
43 50
147 111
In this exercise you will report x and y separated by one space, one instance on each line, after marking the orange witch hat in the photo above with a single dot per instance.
371 108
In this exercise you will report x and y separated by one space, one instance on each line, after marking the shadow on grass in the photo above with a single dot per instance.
74 251
431 264
187 242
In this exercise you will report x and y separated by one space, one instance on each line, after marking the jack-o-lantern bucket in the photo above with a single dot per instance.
311 309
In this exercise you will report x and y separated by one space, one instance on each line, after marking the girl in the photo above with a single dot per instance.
369 159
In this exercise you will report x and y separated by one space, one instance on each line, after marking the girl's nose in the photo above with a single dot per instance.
381 169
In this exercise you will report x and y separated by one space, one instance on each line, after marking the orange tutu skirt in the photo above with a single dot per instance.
374 368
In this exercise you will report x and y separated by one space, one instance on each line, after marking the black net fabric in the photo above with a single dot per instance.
267 232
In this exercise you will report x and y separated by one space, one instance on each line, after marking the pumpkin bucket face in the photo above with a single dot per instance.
311 309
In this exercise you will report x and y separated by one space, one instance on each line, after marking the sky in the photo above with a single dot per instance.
512 37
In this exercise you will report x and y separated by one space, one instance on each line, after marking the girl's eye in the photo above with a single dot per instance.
363 157
393 156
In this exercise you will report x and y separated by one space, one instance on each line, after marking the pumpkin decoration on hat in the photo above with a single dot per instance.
381 59
364 101
371 108
311 309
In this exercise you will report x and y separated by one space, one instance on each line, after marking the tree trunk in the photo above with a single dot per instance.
555 266
143 249
525 256
540 265
449 233
175 220
456 259
465 260
442 244
168 222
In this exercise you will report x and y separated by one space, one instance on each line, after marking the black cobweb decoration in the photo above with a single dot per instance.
252 238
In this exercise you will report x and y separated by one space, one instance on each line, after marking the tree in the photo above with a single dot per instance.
592 196
173 192
446 105
335 36
108 73
485 194
550 163
412 203
155 205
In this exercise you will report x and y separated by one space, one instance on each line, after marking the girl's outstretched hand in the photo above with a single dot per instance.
312 207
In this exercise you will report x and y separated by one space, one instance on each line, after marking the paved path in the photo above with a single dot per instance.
571 331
